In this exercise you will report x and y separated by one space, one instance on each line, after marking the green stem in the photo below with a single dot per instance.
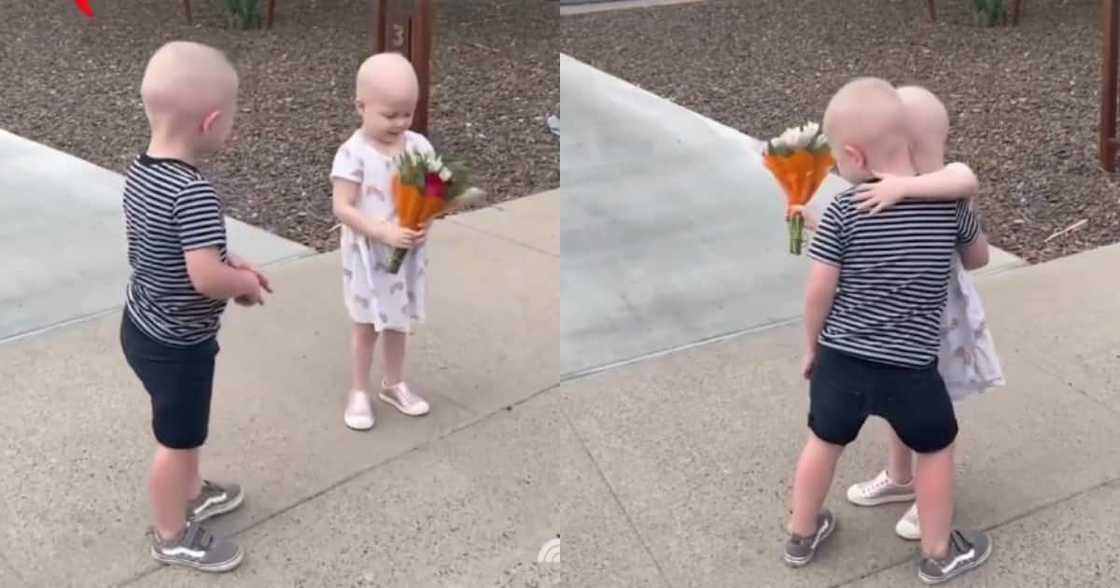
398 259
796 229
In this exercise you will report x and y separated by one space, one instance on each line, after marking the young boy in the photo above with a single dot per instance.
876 290
181 279
968 362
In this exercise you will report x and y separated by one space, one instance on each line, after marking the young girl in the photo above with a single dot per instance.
968 361
380 304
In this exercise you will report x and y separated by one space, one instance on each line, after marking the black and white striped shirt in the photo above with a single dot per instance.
169 209
894 276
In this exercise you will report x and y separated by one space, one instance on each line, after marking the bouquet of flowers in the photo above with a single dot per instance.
799 160
423 188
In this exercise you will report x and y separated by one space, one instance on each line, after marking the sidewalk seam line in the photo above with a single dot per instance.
617 499
772 324
94 315
468 423
502 238
1014 519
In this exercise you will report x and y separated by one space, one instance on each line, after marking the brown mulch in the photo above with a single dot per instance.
74 85
1024 100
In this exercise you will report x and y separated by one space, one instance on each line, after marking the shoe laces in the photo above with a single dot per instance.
404 394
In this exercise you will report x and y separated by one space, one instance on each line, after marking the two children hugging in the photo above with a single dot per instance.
182 274
894 323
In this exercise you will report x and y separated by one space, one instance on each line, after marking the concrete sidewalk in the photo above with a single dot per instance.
699 448
465 496
62 227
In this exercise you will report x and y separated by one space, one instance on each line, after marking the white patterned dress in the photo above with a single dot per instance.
372 294
968 362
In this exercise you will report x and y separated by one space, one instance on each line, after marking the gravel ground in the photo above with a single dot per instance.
1024 100
495 80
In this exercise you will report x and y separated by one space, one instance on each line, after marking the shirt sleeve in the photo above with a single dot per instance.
421 144
831 238
198 215
968 223
347 165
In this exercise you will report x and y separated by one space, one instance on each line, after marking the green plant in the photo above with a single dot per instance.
991 12
244 14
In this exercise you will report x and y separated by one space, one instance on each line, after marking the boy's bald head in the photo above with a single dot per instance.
927 122
866 116
387 77
185 82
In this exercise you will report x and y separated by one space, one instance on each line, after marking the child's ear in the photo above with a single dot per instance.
210 120
855 156
359 106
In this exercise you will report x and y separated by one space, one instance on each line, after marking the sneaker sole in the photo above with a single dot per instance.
881 500
215 568
961 570
353 428
797 562
390 401
226 508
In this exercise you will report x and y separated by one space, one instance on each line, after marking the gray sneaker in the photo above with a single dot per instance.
214 500
197 548
967 550
800 550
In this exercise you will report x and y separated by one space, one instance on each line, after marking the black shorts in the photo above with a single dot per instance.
845 390
179 381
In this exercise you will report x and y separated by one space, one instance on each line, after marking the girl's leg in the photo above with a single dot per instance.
394 390
395 343
363 341
899 463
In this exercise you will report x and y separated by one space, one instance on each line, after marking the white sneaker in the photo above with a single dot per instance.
880 490
908 527
404 399
359 413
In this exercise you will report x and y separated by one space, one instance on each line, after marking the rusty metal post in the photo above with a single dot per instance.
405 26
1108 86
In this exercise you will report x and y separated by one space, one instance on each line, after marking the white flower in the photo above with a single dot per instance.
820 143
790 138
808 133
445 174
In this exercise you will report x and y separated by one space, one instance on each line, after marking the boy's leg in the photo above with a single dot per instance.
815 470
394 390
934 486
168 487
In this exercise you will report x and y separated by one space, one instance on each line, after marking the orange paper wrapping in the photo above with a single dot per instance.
414 208
799 175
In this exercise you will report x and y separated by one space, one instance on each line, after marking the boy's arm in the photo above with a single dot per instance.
216 279
819 294
202 234
952 182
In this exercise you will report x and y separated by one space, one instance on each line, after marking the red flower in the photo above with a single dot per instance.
434 186
84 6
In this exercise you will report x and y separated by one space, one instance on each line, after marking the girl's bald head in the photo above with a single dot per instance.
388 77
927 122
